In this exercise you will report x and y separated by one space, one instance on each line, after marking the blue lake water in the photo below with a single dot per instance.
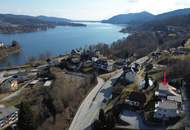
60 40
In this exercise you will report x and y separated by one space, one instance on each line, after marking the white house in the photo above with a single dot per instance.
166 109
48 83
142 84
163 91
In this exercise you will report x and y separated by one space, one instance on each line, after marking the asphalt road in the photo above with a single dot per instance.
90 107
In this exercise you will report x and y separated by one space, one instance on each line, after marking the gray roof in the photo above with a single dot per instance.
166 104
175 98
6 111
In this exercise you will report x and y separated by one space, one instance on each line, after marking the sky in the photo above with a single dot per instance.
89 9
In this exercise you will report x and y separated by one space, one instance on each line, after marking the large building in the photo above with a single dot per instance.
166 109
8 116
104 64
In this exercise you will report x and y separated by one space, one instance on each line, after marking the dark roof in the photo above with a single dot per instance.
137 97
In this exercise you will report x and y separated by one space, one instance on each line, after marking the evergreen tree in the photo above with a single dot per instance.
102 116
110 121
146 81
48 102
25 117
97 125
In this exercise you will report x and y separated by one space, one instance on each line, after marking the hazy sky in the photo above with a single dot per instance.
88 9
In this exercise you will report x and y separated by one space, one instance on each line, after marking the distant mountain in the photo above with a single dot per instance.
9 19
10 23
179 18
182 21
130 18
59 21
173 13
53 19
21 23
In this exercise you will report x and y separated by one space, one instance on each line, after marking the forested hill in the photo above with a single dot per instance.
59 21
10 23
130 18
180 19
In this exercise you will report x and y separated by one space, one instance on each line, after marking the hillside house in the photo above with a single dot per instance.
135 101
104 65
9 85
166 109
48 83
120 63
8 116
142 84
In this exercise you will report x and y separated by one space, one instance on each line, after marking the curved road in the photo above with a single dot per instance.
90 107
82 111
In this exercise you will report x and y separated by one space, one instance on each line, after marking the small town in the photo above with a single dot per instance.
95 65
130 93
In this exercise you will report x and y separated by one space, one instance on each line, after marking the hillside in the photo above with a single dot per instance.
21 23
178 20
10 23
173 13
130 18
180 24
59 21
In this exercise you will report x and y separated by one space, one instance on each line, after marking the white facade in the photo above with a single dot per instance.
47 83
142 84
166 109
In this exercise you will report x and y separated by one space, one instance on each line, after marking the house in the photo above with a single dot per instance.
142 61
135 67
87 66
34 82
135 101
9 85
166 109
177 99
8 116
48 83
163 91
104 65
2 45
142 84
130 76
120 63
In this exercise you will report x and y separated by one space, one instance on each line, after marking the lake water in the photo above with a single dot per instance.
59 40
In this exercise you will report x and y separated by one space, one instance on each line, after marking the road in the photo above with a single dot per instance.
90 107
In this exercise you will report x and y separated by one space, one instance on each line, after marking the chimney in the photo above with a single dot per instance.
165 82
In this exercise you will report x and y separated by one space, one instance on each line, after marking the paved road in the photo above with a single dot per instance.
90 107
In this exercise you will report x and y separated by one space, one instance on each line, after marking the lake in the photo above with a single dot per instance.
59 40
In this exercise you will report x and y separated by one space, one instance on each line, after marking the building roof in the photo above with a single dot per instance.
137 97
166 104
175 98
163 90
48 83
5 111
34 82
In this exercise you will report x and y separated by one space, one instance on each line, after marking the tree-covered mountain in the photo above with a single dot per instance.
59 21
173 13
10 23
9 19
130 18
180 22
178 18
143 17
